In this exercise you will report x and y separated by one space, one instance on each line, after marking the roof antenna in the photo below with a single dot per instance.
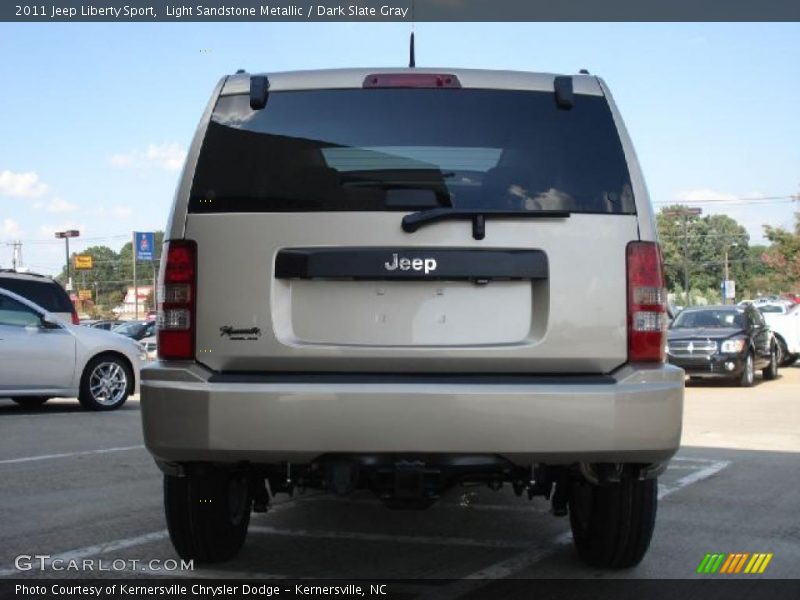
411 61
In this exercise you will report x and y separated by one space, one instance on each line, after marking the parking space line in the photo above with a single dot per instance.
712 468
11 461
693 459
500 570
402 539
97 549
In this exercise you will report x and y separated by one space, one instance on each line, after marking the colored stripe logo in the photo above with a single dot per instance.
734 563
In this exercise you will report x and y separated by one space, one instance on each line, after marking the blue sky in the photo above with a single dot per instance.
94 118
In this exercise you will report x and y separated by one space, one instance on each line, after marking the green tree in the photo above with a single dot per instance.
783 255
698 244
104 278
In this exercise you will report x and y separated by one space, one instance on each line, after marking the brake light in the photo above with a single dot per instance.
647 303
411 80
176 303
75 319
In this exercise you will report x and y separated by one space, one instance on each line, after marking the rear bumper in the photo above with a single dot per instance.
632 416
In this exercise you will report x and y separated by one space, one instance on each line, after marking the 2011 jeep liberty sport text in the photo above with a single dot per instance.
405 280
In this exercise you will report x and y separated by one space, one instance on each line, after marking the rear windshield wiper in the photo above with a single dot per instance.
478 216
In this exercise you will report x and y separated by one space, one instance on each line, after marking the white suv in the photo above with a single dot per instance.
405 280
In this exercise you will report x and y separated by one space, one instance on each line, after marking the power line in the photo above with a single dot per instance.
741 200
83 239
703 235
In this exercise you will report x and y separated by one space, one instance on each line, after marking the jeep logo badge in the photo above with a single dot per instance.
411 264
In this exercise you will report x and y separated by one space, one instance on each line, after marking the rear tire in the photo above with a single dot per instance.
207 515
747 377
612 524
771 372
787 359
31 401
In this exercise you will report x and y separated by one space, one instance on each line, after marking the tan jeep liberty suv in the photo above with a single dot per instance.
405 280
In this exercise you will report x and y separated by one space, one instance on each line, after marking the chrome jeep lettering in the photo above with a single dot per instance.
407 264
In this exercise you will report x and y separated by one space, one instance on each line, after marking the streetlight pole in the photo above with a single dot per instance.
65 235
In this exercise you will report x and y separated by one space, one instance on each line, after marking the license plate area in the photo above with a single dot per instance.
405 313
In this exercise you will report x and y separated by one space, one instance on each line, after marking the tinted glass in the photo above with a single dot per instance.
771 308
16 314
401 149
131 329
46 293
709 319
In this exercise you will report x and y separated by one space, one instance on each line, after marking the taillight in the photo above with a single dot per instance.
75 319
176 302
647 303
411 80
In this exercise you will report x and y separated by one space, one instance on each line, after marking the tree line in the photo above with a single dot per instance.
695 247
112 274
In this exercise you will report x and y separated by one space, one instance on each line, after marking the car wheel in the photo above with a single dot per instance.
771 372
612 524
30 401
783 353
106 383
748 372
207 515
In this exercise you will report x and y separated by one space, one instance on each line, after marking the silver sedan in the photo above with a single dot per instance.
43 357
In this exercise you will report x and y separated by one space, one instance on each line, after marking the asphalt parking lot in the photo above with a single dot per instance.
78 485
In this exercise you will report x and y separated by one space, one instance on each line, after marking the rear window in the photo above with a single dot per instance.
405 149
46 293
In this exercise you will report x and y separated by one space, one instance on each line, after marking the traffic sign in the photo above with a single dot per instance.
143 244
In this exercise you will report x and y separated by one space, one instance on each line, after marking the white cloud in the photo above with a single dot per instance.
21 185
11 228
168 156
59 205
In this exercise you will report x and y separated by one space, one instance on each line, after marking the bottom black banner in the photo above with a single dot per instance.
541 589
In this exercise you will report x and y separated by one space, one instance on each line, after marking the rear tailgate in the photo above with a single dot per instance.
572 321
325 176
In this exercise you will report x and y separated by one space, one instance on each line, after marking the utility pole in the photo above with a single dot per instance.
65 235
16 254
725 288
685 212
